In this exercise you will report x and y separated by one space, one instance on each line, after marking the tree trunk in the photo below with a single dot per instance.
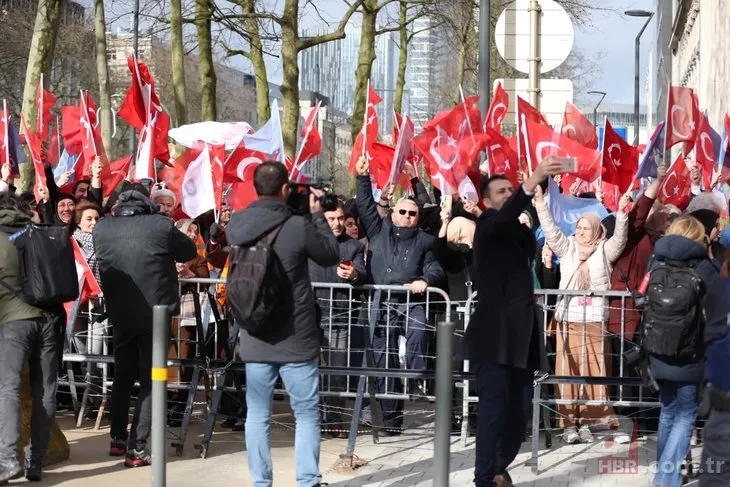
178 63
402 58
39 59
256 56
102 73
364 63
207 70
290 84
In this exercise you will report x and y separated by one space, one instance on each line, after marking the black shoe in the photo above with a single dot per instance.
117 448
239 425
229 422
9 469
34 471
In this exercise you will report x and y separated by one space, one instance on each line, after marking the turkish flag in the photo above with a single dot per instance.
682 116
611 195
34 147
240 194
676 189
114 173
241 164
87 282
497 108
502 155
141 101
45 100
369 132
544 141
381 160
81 133
578 128
311 142
704 147
620 159
525 113
450 143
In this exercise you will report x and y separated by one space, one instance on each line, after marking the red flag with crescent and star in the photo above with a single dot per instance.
682 116
620 159
497 109
676 189
578 128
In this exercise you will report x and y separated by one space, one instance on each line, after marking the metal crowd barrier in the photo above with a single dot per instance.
352 319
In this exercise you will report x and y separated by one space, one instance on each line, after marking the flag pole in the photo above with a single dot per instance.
304 141
281 136
6 136
39 115
466 112
527 143
666 119
365 119
603 150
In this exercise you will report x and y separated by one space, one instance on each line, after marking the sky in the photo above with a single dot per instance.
609 37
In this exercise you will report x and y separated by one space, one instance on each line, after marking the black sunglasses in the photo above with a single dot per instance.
409 212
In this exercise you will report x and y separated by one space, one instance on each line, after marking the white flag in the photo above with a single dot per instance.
198 195
229 134
268 138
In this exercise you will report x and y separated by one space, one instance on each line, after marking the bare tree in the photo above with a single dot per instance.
102 72
178 61
203 16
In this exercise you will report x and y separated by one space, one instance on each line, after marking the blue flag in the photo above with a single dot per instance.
567 210
65 164
722 150
655 147
17 156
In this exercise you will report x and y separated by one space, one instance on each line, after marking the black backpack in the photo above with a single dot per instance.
46 265
673 317
259 291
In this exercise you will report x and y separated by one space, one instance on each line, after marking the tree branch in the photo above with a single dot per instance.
308 42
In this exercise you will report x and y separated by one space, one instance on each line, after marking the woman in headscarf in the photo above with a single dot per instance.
581 344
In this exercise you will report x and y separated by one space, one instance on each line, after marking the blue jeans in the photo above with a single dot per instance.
676 422
301 380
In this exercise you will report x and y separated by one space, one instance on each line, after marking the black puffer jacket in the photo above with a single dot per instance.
136 251
674 247
399 255
298 241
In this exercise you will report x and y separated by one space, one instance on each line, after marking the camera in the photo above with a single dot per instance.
299 196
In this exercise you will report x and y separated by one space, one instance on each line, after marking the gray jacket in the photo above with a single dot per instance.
298 241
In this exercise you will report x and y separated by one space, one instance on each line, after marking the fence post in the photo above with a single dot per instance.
160 337
444 395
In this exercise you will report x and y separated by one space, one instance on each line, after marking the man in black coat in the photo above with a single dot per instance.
503 340
136 250
400 254
338 314
289 349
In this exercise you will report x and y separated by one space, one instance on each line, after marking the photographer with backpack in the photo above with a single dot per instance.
271 298
679 305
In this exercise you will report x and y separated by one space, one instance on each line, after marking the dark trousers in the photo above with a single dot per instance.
500 419
34 342
132 361
715 464
334 352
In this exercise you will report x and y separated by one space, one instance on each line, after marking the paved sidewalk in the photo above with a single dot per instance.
402 461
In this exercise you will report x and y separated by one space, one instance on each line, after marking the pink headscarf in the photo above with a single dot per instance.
598 233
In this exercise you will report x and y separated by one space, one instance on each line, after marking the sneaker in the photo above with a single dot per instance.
503 480
229 422
570 435
9 469
118 448
585 435
33 471
239 425
137 458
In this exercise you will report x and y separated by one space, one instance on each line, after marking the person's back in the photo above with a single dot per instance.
289 348
136 250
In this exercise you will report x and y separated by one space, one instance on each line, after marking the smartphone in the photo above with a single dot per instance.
569 164
346 262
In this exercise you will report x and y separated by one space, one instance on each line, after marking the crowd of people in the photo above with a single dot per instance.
504 247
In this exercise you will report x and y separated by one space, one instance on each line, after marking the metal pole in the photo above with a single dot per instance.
135 49
485 26
444 392
160 334
636 80
534 54
595 115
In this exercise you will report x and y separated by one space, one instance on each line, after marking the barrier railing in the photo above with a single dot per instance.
363 352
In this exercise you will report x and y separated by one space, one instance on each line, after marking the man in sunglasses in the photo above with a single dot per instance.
400 254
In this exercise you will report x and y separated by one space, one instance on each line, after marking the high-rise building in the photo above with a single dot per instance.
421 76
329 69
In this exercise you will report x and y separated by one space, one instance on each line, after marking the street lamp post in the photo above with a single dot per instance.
648 15
595 108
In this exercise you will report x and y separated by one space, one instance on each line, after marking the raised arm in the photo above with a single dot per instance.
366 206
616 244
558 242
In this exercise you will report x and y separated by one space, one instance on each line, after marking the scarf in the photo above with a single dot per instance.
86 243
598 233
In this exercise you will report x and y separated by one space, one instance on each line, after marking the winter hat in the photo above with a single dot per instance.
708 218
162 193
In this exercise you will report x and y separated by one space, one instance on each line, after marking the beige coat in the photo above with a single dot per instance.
600 266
